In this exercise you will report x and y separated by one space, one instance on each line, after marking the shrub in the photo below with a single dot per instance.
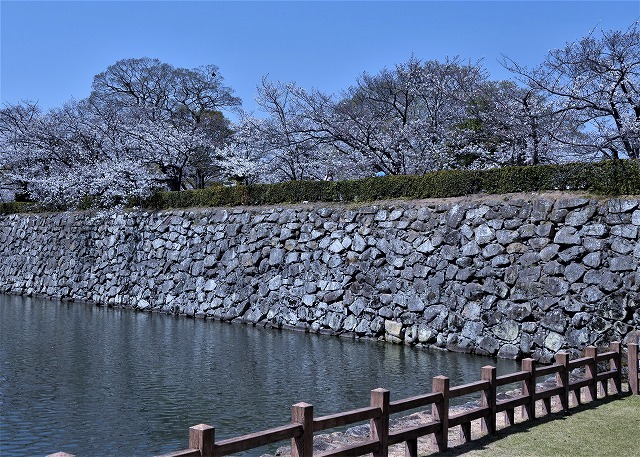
605 178
16 207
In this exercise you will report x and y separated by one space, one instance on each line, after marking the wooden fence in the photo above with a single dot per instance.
597 372
634 385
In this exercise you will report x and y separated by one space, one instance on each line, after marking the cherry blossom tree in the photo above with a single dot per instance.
597 80
72 154
406 120
147 125
187 104
513 125
286 138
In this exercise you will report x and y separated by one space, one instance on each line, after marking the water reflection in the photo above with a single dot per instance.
97 381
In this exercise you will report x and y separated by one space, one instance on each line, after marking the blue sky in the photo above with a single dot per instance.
51 50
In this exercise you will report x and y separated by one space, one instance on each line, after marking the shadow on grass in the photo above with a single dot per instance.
482 443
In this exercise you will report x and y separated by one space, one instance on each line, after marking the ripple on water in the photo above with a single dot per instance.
98 381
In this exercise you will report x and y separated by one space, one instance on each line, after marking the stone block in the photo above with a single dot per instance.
393 329
567 236
509 351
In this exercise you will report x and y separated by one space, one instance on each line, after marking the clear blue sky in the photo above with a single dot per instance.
51 50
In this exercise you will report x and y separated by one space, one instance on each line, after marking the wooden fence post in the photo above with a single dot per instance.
529 388
302 446
202 437
380 426
440 412
632 354
562 379
615 364
488 424
591 372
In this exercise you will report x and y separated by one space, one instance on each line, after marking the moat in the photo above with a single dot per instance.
97 381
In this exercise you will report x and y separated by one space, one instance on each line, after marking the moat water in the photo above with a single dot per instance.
95 381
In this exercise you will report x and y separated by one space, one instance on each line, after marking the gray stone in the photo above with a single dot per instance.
579 217
426 247
484 234
549 252
393 328
363 327
472 291
334 321
506 237
455 216
502 260
527 231
487 345
517 311
541 209
464 274
350 323
477 213
426 334
335 247
415 304
591 295
492 250
210 285
572 253
622 246
538 243
509 351
616 205
529 275
571 202
592 259
275 283
508 330
471 249
567 236
625 231
529 258
623 263
554 320
544 230
609 282
554 342
434 311
555 287
578 338
472 330
516 248
573 272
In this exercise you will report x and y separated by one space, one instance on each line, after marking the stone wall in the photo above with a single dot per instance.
507 276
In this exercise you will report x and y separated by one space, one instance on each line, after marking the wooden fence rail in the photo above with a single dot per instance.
634 385
602 373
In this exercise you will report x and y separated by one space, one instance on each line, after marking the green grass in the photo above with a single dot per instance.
611 428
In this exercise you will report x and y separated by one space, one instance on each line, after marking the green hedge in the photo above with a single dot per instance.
620 177
16 207
604 178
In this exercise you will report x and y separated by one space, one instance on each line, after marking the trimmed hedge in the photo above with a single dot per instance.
604 178
16 207
621 177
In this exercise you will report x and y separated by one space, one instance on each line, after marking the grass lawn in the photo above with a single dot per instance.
610 429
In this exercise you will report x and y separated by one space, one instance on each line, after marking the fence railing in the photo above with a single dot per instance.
633 355
581 378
